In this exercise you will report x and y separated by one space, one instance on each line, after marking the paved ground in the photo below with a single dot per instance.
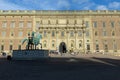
83 67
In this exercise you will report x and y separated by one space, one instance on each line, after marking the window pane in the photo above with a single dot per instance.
95 24
20 34
21 24
12 24
3 33
4 24
29 24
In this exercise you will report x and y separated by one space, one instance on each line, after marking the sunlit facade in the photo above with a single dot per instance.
75 30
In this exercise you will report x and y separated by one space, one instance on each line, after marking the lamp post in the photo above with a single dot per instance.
83 30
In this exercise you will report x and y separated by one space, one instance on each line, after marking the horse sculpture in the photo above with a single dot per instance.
33 41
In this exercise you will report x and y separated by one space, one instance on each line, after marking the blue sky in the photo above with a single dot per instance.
59 4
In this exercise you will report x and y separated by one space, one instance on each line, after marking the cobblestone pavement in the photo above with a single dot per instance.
65 67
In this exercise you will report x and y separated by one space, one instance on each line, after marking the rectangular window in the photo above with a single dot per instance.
71 34
95 24
29 24
88 47
19 47
79 34
104 24
2 47
104 33
20 34
45 34
62 33
11 47
12 24
4 24
112 24
21 24
87 24
87 33
3 33
37 24
97 47
53 34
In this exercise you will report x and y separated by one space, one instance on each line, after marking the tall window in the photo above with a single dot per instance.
11 34
71 34
29 24
4 24
3 33
114 46
96 33
106 47
20 34
12 24
19 47
21 24
53 33
37 24
104 33
103 24
113 33
80 44
45 34
88 47
44 44
87 24
112 24
2 47
79 34
97 47
53 43
11 47
62 34
95 24
87 33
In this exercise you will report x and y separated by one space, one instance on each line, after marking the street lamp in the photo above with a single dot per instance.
83 30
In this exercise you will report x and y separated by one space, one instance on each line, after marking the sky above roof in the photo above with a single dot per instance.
59 4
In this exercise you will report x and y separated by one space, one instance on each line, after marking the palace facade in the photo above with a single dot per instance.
85 30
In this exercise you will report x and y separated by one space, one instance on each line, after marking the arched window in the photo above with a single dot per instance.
53 43
45 44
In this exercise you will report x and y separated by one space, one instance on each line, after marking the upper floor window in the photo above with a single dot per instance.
62 34
21 24
113 33
79 33
103 24
53 43
53 33
37 24
11 34
87 24
104 33
29 24
45 34
96 33
12 24
87 33
95 24
20 34
4 24
112 24
3 33
71 34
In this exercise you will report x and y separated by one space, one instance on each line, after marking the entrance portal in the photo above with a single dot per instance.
62 47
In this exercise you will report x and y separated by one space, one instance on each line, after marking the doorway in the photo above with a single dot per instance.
62 47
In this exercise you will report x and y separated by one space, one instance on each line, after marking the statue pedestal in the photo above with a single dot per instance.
30 54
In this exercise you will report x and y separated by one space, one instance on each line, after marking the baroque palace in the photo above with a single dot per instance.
83 30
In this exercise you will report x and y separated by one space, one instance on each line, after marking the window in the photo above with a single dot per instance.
21 24
87 34
37 24
88 47
104 33
12 24
11 47
44 44
62 33
114 46
53 43
97 47
87 24
53 33
103 24
45 34
112 24
3 33
4 24
106 47
95 24
79 33
71 34
113 33
11 34
96 33
29 24
2 47
20 34
19 47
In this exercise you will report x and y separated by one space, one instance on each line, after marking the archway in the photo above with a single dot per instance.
62 47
